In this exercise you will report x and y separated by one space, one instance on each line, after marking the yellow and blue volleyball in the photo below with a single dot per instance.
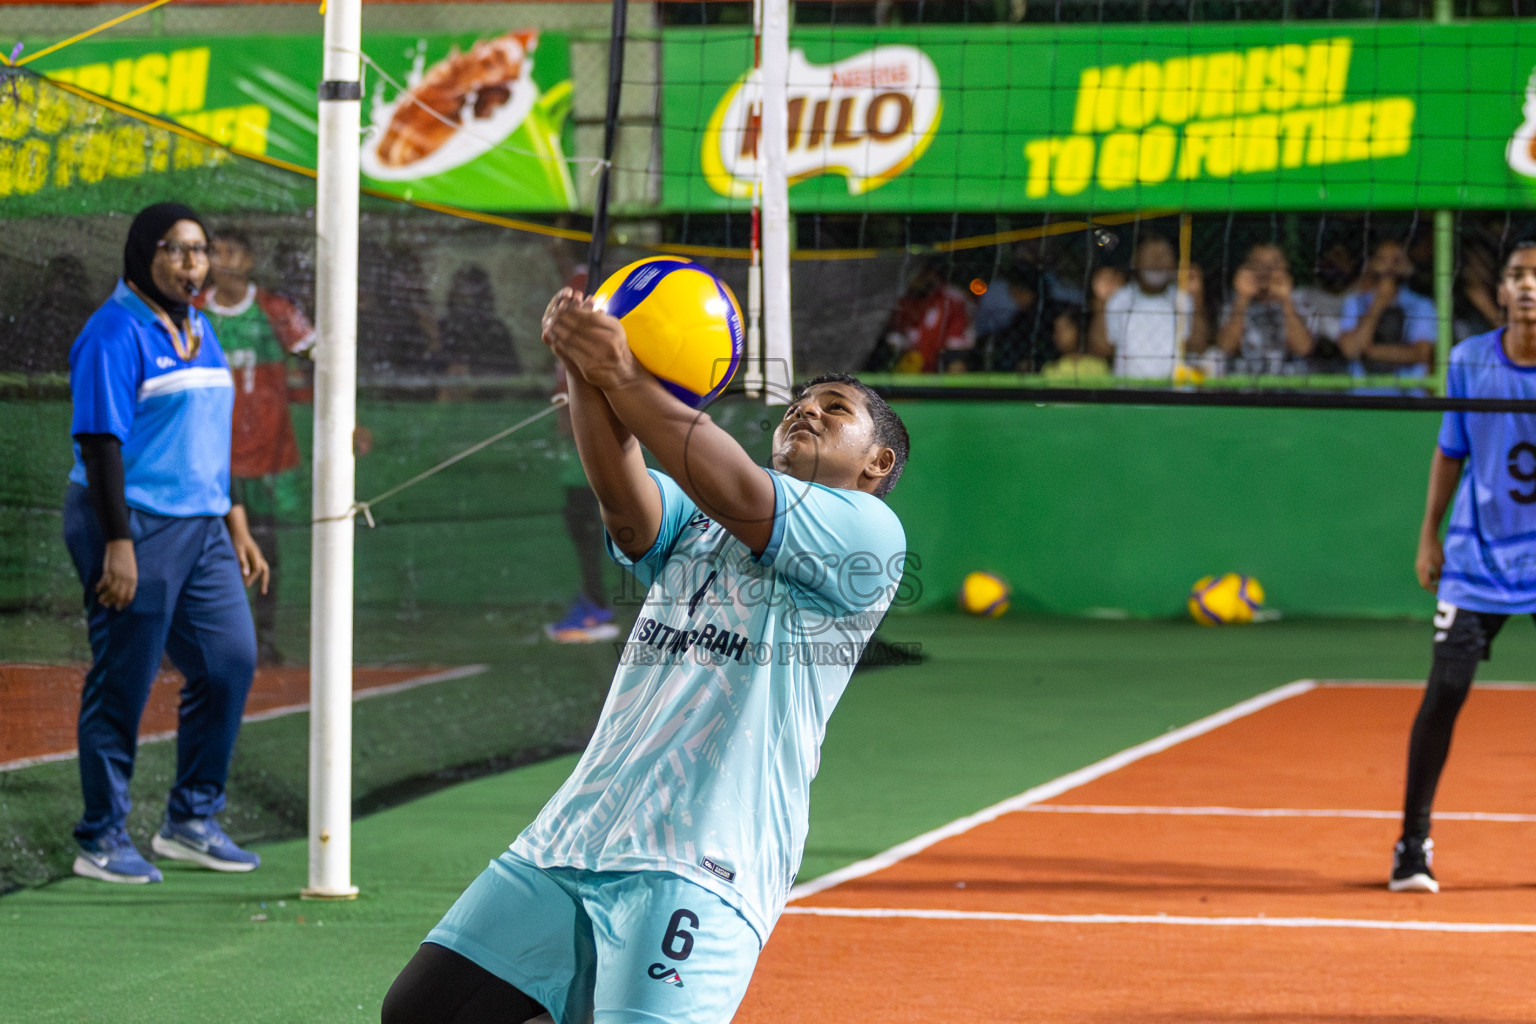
1225 600
682 321
985 595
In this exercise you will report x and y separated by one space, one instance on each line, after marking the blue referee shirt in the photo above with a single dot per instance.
174 417
1490 547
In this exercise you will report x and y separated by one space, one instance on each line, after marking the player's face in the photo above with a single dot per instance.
827 436
1517 288
181 261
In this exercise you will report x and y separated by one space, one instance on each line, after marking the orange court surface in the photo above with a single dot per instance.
1231 871
42 702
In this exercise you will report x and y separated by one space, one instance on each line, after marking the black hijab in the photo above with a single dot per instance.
144 236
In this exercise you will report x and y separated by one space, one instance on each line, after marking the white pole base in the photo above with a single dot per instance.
349 893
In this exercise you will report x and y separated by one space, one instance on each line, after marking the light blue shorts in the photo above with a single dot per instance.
614 947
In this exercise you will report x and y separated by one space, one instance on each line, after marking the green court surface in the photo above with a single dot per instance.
995 708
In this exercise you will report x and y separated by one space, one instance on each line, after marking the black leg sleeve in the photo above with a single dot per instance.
1450 679
439 986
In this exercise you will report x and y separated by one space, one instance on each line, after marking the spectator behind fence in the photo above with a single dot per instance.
1026 342
1476 309
930 327
57 305
472 335
1072 363
1262 330
397 332
1321 305
259 332
1388 327
1147 324
996 308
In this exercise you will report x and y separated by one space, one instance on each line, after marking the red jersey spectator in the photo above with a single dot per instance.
930 321
259 331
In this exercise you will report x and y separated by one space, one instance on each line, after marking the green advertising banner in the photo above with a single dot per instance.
1266 116
472 121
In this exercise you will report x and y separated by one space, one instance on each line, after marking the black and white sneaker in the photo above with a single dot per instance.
1412 866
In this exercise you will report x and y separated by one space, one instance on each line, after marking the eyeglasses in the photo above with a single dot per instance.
180 250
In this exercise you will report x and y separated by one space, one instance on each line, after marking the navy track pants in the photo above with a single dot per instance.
190 605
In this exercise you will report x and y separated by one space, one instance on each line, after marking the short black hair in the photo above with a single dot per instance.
235 235
1524 245
890 432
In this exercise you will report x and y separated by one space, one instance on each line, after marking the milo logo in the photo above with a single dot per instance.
1521 154
868 117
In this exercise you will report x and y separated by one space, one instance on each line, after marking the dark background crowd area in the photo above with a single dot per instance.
434 298
441 298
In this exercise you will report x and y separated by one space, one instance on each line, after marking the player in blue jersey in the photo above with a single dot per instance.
1486 569
162 554
646 887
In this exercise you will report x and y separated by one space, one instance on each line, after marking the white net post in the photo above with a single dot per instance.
330 653
773 164
752 372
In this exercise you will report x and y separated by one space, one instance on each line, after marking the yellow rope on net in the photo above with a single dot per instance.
56 47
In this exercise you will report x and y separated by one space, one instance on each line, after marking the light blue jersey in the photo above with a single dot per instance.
173 416
702 760
1490 547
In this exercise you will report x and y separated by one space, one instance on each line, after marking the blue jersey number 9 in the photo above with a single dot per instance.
1523 470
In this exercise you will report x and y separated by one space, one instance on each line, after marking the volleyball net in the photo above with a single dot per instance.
1151 211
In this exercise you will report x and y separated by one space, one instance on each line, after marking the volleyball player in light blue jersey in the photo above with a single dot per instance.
645 888
1486 570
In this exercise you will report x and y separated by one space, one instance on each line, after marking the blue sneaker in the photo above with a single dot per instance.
200 841
584 623
114 858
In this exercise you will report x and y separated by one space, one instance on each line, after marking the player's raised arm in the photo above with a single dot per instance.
610 454
707 463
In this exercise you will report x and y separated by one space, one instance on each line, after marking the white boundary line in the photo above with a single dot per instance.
28 762
444 676
1409 684
1268 812
1474 927
1047 790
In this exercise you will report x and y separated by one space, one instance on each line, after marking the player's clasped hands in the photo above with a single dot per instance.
588 340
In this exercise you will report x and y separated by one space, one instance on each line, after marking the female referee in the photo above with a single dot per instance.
161 552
